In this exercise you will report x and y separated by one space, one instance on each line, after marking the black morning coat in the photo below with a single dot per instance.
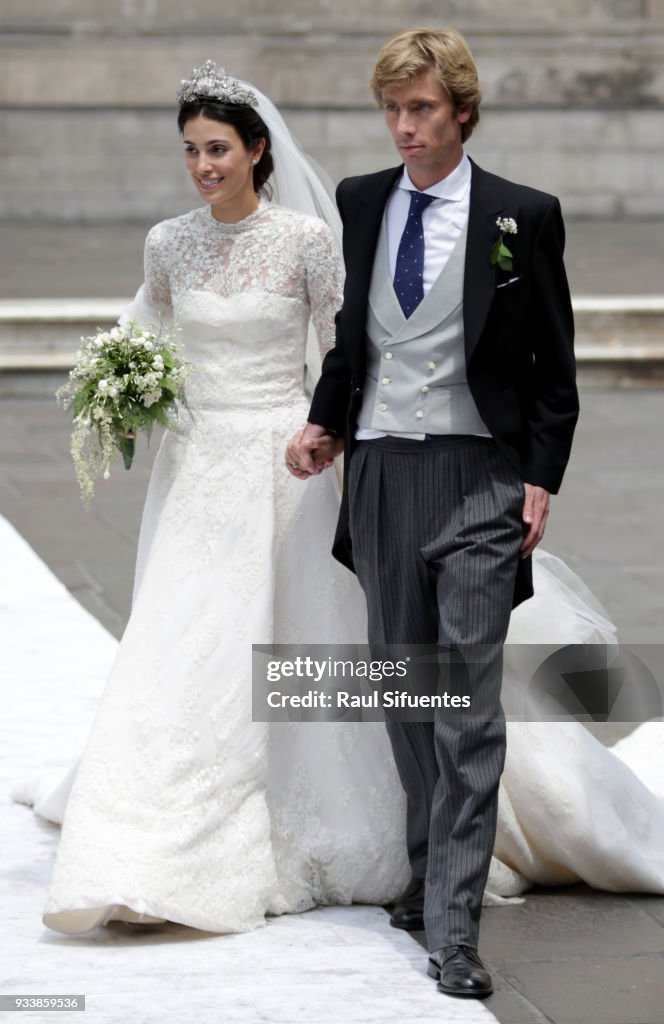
519 331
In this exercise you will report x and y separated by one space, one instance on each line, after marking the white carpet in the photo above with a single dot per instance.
336 964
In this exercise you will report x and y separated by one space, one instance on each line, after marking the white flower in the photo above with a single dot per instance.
116 334
158 362
97 413
112 392
507 225
148 345
102 386
151 397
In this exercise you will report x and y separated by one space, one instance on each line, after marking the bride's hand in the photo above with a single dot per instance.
299 461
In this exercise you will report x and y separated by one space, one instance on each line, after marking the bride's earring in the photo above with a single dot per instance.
254 162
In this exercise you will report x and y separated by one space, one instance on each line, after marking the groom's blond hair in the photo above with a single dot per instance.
446 51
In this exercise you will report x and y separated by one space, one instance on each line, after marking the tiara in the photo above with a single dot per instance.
215 83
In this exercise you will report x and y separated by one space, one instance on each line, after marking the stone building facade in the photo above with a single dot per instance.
573 95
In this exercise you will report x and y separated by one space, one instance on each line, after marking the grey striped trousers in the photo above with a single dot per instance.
436 528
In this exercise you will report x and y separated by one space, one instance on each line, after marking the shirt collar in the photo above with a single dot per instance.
454 187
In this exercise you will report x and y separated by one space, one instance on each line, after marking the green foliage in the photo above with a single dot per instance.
501 255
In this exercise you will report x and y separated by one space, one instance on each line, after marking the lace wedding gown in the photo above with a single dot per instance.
184 809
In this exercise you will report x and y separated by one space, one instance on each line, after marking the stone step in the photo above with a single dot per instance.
619 339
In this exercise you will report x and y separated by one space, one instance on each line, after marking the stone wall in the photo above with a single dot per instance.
574 94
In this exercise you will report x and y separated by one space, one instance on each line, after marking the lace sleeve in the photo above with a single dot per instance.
324 270
157 283
151 306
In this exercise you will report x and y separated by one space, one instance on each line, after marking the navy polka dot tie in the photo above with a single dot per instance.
408 276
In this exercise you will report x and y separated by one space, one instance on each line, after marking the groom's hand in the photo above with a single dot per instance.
535 515
311 451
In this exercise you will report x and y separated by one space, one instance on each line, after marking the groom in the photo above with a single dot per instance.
453 384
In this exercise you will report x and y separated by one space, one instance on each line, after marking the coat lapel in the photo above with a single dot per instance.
361 239
480 276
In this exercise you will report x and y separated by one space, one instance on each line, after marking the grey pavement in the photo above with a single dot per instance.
577 956
98 260
567 956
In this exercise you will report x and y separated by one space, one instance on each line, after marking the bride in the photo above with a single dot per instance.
182 808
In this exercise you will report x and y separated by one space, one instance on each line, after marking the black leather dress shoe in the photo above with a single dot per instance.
408 910
460 972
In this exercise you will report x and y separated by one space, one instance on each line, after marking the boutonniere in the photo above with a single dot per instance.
500 254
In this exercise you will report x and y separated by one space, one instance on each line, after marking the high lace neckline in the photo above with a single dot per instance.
240 225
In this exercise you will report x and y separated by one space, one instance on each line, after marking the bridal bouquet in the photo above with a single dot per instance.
123 381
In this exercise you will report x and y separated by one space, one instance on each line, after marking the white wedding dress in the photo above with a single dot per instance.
184 809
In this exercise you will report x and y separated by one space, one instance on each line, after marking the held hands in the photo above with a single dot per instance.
312 450
535 514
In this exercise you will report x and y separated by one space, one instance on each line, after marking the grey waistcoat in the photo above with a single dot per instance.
416 368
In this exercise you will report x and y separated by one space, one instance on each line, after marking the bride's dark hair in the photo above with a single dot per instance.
250 127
